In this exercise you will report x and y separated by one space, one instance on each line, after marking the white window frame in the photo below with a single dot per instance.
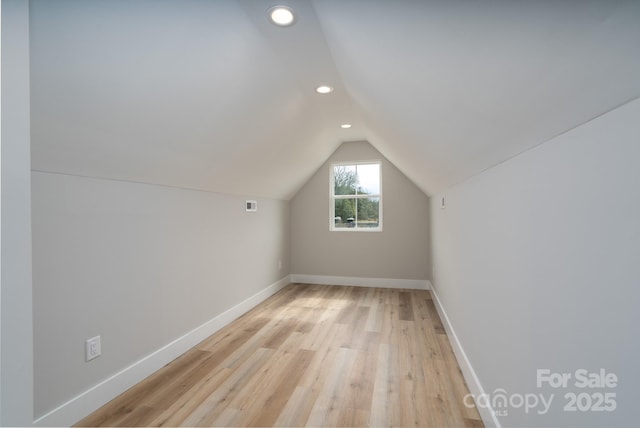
333 197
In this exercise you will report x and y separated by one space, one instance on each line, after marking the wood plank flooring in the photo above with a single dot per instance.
311 355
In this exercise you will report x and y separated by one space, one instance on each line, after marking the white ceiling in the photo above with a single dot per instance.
207 94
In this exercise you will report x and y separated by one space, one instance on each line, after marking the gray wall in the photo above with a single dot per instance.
16 383
140 265
399 251
536 264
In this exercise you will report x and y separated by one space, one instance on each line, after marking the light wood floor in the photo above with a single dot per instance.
311 355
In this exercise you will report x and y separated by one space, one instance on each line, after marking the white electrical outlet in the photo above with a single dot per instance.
92 348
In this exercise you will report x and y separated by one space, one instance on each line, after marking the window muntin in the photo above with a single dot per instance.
356 196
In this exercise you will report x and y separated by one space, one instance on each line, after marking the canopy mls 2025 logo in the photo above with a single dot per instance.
584 391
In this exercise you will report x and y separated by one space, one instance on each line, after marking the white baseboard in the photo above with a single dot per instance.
419 284
475 387
82 405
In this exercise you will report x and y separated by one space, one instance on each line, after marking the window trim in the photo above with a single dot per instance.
332 197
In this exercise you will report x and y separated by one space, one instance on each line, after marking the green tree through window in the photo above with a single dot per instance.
356 196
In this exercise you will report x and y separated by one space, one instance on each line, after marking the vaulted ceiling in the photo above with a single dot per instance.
208 94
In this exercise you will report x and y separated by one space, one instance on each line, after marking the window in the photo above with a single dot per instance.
356 196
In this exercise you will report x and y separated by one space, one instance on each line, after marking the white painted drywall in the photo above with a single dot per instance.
537 265
189 93
16 314
140 265
399 251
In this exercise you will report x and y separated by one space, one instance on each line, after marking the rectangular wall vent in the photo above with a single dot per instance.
251 206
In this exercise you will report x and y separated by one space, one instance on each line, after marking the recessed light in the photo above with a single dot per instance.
282 16
345 126
324 89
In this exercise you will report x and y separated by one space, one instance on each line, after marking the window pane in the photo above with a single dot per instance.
369 179
345 180
368 212
345 213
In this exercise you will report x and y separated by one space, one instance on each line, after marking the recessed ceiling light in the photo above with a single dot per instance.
282 16
324 89
345 126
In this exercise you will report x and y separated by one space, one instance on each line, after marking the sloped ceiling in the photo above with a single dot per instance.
207 94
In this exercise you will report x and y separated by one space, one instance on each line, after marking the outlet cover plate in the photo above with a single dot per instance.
92 348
